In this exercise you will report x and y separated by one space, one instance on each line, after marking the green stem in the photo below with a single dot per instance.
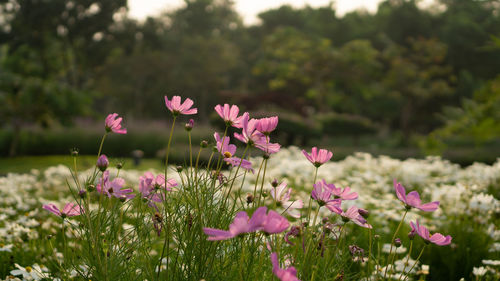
262 181
310 198
235 175
196 165
369 248
407 259
190 155
394 237
257 181
99 154
168 149
165 192
415 263
100 146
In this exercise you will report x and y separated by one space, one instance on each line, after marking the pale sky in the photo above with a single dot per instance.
249 9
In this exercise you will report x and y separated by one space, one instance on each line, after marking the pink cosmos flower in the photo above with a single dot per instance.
177 108
269 223
282 199
275 223
322 193
70 210
148 183
114 187
344 194
412 199
289 274
241 224
436 238
267 125
229 114
243 163
318 158
113 124
249 133
228 150
251 136
352 214
267 147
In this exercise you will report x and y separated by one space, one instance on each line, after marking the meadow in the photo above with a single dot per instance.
263 213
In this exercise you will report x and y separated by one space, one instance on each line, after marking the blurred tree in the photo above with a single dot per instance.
29 95
478 118
80 27
417 79
184 52
466 27
297 65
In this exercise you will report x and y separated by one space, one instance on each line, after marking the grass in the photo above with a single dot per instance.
24 164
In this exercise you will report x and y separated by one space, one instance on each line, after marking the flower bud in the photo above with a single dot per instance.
74 152
189 125
376 236
119 165
179 169
274 183
204 143
397 242
266 156
123 198
250 198
412 234
82 193
364 213
264 194
102 163
90 187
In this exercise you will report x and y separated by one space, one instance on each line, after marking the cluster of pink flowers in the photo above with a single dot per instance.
412 200
228 150
254 133
151 187
270 223
114 187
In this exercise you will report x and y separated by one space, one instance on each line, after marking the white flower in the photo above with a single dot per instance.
386 248
491 262
6 248
479 271
29 273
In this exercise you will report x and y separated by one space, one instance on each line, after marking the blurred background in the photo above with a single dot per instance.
396 77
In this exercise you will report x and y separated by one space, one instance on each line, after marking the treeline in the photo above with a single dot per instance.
392 71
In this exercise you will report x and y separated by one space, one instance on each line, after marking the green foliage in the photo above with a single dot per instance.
342 124
478 119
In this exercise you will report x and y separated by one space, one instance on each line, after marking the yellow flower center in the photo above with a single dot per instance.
2 245
29 269
227 154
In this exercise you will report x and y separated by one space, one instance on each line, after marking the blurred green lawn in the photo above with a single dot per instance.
24 164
